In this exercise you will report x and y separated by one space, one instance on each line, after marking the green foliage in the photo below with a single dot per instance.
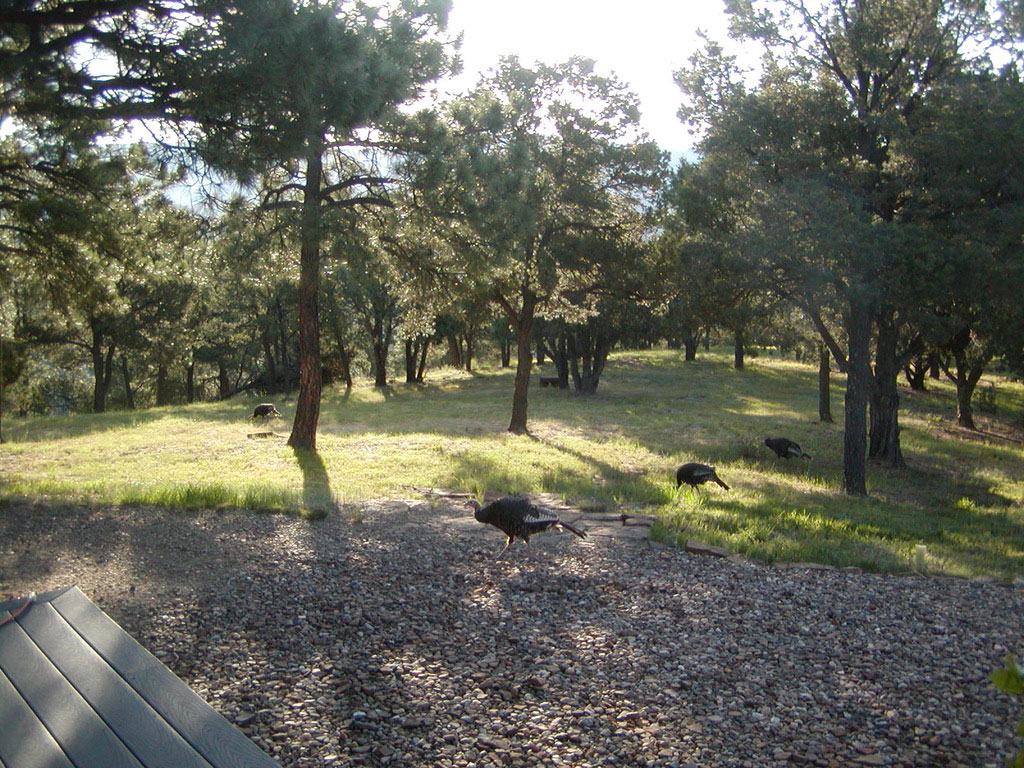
1010 679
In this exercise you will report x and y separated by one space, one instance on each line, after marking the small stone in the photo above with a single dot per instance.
490 742
872 760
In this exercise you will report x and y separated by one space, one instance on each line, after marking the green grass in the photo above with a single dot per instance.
962 495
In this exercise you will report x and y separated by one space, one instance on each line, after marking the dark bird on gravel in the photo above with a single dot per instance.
694 474
515 516
785 449
264 411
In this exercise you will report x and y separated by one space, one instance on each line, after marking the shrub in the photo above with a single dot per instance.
1011 680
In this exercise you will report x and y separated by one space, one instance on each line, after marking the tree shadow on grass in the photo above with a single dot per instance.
317 498
606 482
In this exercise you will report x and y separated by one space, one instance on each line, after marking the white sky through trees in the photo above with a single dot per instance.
642 41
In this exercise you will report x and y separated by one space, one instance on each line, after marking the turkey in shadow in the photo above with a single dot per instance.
515 516
785 448
694 474
264 411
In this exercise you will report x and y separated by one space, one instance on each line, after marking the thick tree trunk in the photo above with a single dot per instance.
380 364
163 385
523 326
885 397
738 351
964 410
858 391
454 350
307 405
224 388
102 365
824 384
588 356
101 385
346 366
965 377
410 361
415 359
916 371
690 346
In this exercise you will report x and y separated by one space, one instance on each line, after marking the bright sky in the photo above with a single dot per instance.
642 41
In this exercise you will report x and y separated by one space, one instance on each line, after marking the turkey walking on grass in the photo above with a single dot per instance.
785 448
695 474
515 516
264 411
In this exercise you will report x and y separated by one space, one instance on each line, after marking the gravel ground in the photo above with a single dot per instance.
399 640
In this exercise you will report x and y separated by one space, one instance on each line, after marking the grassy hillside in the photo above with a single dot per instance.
962 497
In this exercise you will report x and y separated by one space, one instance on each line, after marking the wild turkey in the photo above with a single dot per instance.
515 516
785 449
695 474
264 411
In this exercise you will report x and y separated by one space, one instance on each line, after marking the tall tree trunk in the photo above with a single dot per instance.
506 353
344 357
102 365
421 369
690 345
574 362
934 366
561 360
858 392
163 396
410 361
129 393
738 351
588 355
307 405
454 350
964 409
190 380
380 364
824 384
522 322
915 371
224 388
965 377
885 396
470 349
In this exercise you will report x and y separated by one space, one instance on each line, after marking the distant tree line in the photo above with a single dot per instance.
856 195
